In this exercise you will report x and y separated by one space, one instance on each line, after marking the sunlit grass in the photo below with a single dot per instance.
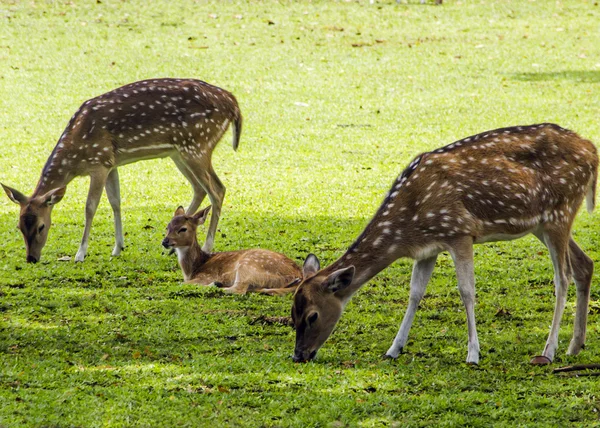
337 97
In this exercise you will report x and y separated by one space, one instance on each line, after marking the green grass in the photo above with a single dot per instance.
337 97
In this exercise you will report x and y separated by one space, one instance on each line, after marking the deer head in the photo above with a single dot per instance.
34 219
318 305
181 231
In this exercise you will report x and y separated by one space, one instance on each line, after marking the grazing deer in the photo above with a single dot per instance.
498 185
237 272
180 118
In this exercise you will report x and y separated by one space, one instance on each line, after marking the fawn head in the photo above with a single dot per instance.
181 230
317 306
34 219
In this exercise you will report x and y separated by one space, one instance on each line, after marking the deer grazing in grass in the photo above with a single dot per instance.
237 272
498 185
183 119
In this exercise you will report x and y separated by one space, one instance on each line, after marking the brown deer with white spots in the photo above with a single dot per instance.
498 185
183 119
237 272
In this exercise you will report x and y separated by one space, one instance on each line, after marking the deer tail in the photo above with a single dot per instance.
236 128
590 198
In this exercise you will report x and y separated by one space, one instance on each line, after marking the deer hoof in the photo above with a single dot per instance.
540 360
388 356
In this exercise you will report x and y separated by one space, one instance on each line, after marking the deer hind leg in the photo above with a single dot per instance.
421 274
203 171
462 254
583 268
97 183
556 240
113 192
199 192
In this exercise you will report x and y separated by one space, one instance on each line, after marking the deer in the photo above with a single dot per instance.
499 185
183 119
235 272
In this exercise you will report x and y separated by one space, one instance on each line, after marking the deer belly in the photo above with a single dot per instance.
493 237
125 155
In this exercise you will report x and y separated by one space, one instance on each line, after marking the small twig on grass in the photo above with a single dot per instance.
568 370
581 374
576 367
266 320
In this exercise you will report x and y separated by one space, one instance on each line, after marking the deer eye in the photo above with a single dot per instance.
41 228
183 229
312 318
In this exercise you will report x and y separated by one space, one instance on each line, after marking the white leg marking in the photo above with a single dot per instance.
113 192
463 262
97 182
421 274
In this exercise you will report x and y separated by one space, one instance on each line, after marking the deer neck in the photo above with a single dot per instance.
191 259
58 171
369 254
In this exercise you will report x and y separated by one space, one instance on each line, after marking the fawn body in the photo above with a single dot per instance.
238 272
183 119
498 185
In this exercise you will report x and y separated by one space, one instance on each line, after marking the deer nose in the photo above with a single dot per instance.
31 259
303 357
166 243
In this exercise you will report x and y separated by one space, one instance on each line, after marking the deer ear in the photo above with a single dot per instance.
14 195
311 266
53 196
179 211
339 280
200 216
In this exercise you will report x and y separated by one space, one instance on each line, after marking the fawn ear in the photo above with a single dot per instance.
179 211
200 216
15 196
53 197
339 280
311 266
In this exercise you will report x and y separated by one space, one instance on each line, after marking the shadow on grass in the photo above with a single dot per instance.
326 235
580 76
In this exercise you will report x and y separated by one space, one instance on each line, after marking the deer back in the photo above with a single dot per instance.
142 120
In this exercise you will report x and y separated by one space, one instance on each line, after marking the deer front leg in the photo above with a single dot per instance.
421 274
462 254
113 192
239 286
97 182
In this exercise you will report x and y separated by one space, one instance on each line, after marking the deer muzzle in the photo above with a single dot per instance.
304 356
167 243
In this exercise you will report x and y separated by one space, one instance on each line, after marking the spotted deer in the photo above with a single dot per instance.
499 185
237 272
183 119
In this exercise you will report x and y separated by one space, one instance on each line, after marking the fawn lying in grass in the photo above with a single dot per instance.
238 272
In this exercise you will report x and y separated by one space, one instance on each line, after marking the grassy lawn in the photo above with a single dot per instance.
337 97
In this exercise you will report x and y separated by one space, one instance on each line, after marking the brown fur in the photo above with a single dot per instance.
179 118
498 185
